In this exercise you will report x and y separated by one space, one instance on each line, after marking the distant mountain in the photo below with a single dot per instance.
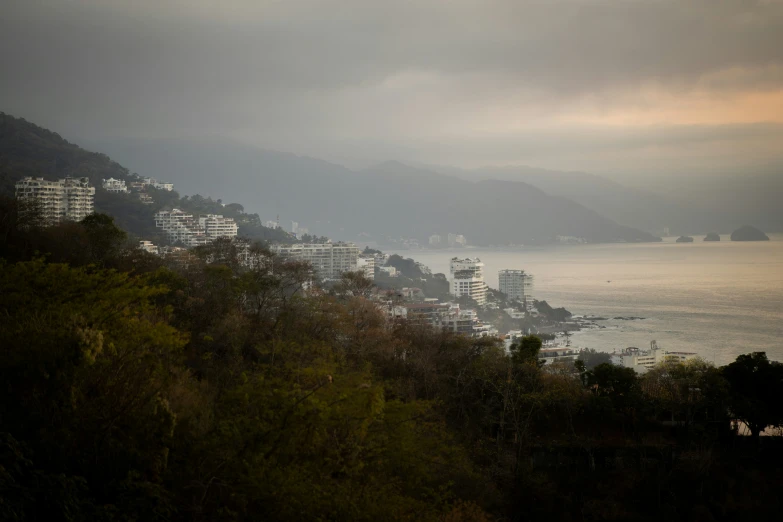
391 199
729 201
634 207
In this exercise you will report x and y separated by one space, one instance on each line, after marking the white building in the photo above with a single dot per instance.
65 199
388 270
435 240
162 185
114 185
366 263
148 246
467 278
294 227
643 360
457 240
181 227
516 284
329 260
216 226
271 224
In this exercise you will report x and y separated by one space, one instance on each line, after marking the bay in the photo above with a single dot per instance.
718 299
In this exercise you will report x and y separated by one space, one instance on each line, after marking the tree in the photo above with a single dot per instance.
592 358
104 238
755 387
354 284
526 349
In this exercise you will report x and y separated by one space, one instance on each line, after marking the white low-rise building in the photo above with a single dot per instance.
114 185
148 246
467 278
643 360
161 185
68 199
388 270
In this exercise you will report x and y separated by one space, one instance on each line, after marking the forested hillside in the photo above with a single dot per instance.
140 388
29 150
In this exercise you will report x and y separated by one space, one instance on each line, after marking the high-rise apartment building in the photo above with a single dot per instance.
467 278
516 284
182 227
329 260
65 199
216 226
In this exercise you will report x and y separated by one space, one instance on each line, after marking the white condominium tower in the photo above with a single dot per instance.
65 199
467 278
181 227
516 284
329 260
215 226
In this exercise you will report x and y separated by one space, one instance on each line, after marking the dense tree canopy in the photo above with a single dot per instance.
224 385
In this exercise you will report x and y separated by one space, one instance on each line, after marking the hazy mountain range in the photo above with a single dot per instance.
389 199
493 205
695 204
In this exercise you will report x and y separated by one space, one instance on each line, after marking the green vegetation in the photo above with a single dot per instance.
145 388
410 275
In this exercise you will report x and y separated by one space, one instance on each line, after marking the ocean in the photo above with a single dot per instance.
718 299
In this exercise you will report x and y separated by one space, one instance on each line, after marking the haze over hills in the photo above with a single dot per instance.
687 204
390 199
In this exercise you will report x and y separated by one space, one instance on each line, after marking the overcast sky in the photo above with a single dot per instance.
613 86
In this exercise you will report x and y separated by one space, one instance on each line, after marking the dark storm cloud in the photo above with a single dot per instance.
297 72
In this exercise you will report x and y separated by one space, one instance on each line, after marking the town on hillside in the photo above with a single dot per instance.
460 302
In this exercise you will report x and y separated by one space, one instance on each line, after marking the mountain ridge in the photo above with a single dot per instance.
388 199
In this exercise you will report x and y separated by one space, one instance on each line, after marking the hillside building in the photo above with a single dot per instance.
516 284
181 227
467 278
216 226
329 260
114 185
161 185
643 360
148 246
366 263
68 199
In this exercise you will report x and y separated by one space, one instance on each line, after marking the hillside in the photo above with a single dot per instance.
634 207
29 150
391 199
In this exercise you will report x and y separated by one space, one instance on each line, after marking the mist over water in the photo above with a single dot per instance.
716 299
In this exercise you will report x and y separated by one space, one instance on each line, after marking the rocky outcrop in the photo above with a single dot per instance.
748 233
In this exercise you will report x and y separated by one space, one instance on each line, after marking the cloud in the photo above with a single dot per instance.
300 74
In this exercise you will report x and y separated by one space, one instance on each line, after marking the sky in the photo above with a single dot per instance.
629 88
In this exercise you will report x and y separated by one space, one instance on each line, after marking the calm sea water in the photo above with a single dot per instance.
716 299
